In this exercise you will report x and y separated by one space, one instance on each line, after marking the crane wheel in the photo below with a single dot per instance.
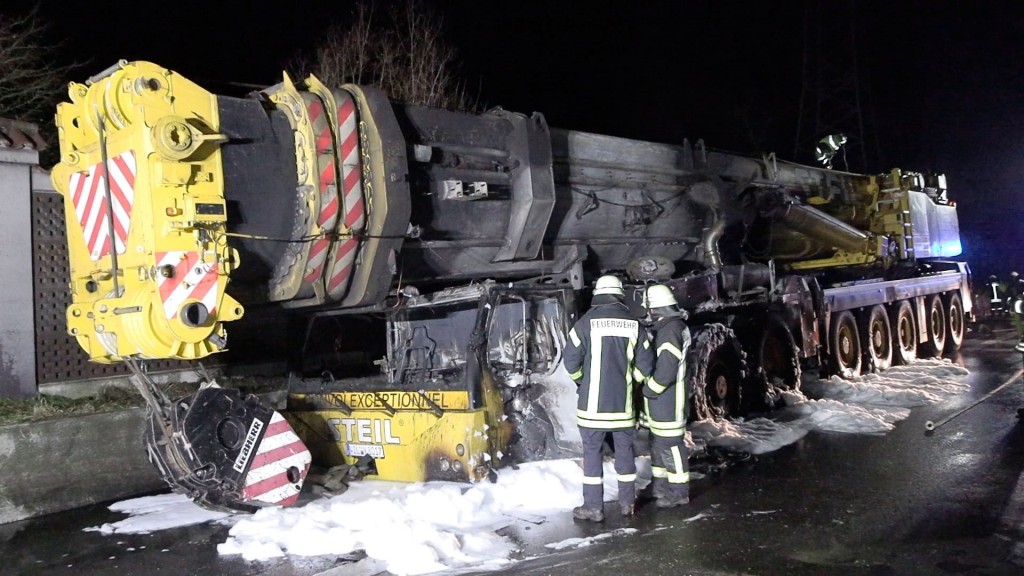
954 322
775 364
715 368
844 345
904 333
935 325
876 330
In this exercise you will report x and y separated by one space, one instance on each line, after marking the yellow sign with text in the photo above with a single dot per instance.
388 400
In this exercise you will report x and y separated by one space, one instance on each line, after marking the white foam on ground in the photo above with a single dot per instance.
433 526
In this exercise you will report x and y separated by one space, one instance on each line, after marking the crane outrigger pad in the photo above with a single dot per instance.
227 451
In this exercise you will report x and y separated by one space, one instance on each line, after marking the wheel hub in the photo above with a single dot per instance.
721 386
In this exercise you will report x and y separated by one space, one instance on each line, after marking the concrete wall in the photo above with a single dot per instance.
17 328
59 465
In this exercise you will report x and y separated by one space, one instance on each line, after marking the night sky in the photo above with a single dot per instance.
942 82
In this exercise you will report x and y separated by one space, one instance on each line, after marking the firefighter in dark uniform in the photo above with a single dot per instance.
607 355
1014 292
665 399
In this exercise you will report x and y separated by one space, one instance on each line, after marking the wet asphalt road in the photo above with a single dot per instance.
951 502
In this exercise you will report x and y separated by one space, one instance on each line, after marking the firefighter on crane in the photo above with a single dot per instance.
665 398
607 354
828 147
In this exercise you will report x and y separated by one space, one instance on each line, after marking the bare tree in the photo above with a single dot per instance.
399 48
29 83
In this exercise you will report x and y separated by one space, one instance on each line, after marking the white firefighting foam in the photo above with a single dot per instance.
428 527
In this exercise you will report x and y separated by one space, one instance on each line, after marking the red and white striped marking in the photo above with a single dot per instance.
352 192
328 216
280 449
191 279
89 196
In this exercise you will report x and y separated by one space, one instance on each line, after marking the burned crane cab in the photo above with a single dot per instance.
471 237
466 385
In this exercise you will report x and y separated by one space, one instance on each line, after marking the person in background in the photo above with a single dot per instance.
665 398
607 354
1014 292
1018 306
996 293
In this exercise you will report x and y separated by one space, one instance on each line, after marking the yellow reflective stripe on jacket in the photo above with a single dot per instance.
594 392
671 349
666 431
659 472
577 374
654 385
575 338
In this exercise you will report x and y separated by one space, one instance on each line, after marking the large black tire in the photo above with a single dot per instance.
904 333
955 326
715 367
935 326
844 345
876 332
774 365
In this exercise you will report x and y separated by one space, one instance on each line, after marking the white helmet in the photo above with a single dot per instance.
659 296
609 285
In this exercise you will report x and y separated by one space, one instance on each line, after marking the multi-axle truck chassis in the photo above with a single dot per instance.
473 236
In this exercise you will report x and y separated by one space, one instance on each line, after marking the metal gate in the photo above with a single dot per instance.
59 358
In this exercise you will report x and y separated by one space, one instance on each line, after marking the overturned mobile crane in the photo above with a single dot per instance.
472 234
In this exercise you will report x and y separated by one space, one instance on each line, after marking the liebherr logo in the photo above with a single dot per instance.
250 443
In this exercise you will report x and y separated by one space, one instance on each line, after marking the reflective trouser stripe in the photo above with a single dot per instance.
593 464
659 472
680 475
593 467
681 478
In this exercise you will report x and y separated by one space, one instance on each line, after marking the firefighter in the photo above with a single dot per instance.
996 295
1018 310
607 354
665 398
828 147
1018 306
1014 292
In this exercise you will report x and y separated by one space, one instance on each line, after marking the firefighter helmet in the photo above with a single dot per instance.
659 296
608 285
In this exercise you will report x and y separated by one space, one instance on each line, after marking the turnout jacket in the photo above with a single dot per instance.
608 352
665 391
